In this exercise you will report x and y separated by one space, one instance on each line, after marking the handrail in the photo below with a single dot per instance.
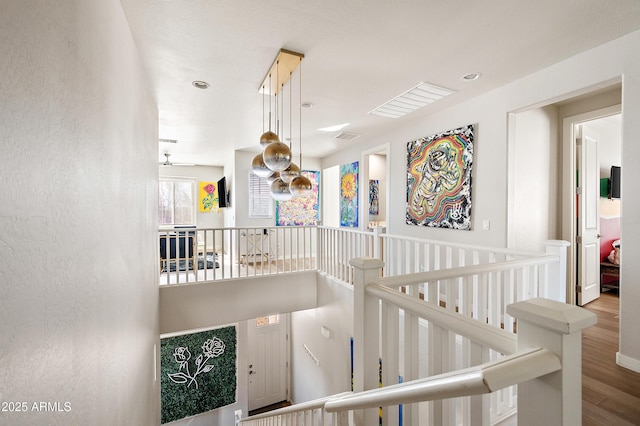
495 338
460 245
303 406
464 271
485 378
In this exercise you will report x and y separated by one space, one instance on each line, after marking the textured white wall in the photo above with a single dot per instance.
78 241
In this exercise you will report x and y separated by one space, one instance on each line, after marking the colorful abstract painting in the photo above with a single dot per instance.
208 196
374 204
301 211
197 373
349 195
439 179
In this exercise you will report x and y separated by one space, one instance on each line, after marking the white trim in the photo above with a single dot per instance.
628 362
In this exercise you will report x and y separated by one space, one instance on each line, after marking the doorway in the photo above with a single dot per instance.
268 360
605 126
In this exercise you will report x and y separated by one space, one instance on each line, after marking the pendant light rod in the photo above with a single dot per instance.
300 119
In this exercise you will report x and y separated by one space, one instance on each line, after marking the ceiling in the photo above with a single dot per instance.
358 55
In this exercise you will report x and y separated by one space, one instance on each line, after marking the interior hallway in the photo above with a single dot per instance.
610 393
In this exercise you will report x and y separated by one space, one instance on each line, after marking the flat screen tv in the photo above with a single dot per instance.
223 200
614 189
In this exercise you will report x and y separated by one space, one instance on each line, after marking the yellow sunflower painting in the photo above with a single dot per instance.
349 195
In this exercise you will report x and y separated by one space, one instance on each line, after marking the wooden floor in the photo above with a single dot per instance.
610 393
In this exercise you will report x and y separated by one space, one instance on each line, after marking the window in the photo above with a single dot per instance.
260 201
269 320
176 201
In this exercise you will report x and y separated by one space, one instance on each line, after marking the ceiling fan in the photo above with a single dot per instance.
168 163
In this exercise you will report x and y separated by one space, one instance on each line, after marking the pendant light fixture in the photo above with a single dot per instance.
300 186
275 162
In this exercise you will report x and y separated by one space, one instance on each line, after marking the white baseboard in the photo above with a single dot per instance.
628 362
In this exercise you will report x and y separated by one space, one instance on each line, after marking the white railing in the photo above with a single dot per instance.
338 246
190 255
456 381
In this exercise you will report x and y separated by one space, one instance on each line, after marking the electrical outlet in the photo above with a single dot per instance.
486 225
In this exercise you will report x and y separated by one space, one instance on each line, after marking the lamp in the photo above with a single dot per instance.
275 162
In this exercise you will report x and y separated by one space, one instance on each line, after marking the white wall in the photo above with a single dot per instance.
533 181
579 74
78 222
332 374
201 174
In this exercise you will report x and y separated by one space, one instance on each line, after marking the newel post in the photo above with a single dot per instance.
557 280
366 323
556 398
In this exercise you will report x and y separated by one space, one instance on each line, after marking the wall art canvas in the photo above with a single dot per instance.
374 190
439 179
198 373
301 211
208 196
349 195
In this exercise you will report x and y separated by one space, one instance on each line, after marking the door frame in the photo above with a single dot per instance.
384 149
569 208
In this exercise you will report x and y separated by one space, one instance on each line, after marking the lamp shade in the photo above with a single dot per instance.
280 190
290 172
259 167
277 156
300 186
267 138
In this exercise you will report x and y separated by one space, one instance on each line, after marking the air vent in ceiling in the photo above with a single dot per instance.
346 136
417 97
168 140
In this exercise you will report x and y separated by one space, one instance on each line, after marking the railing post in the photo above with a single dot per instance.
556 398
366 323
557 278
377 241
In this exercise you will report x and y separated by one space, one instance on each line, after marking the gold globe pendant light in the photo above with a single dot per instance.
259 167
290 172
277 156
272 178
300 186
280 190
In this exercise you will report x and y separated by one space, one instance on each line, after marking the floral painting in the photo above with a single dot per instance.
349 195
208 196
301 211
198 373
439 179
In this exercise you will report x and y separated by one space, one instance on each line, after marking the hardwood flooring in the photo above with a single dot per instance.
610 393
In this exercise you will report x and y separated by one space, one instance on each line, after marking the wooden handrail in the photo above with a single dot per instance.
464 271
485 378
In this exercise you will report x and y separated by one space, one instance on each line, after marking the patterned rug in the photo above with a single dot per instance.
187 264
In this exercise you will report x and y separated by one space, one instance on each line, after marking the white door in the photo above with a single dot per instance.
268 366
588 286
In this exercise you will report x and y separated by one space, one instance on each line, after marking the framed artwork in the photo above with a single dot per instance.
374 190
198 373
439 179
208 196
349 195
301 211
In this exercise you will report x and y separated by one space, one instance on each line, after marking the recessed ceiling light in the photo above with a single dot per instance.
200 84
471 76
334 128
